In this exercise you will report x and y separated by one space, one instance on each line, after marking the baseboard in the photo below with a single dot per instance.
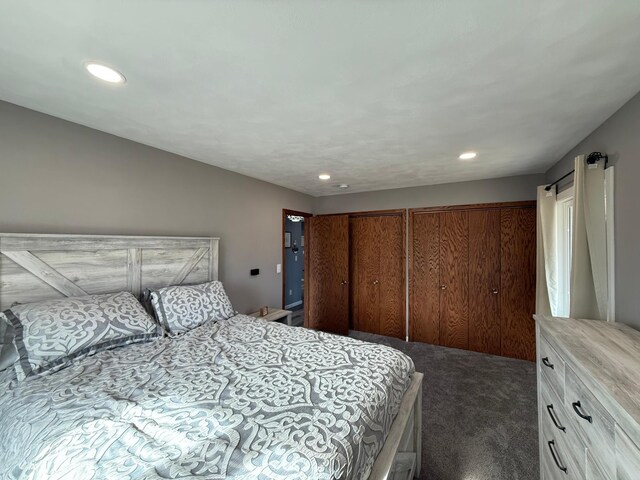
294 304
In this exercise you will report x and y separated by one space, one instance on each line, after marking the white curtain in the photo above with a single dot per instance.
546 265
589 274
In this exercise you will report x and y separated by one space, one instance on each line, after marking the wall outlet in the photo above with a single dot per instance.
296 258
278 268
290 292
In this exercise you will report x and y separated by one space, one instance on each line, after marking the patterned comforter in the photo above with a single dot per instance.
239 399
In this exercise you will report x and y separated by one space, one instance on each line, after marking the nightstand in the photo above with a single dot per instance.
274 314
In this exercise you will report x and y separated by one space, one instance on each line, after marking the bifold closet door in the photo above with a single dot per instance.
327 247
454 279
424 288
377 274
365 273
392 267
518 282
472 278
484 281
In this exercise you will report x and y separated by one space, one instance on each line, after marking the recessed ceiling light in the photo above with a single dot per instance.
468 156
324 176
343 185
105 73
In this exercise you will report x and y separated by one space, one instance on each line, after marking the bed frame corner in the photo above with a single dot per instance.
401 454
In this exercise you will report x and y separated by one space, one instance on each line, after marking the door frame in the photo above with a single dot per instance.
285 212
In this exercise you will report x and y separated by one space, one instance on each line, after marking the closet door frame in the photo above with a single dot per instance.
441 209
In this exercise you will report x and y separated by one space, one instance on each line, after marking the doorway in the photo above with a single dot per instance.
293 263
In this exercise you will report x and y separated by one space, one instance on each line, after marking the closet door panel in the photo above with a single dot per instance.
484 281
328 273
391 286
353 276
518 280
365 232
424 286
454 279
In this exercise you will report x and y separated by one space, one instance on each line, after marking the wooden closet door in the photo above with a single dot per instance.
391 287
328 273
365 277
454 279
424 280
518 282
484 281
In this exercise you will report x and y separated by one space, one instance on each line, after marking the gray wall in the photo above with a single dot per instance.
60 177
508 189
619 137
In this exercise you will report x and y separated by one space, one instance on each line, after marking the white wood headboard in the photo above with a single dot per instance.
37 267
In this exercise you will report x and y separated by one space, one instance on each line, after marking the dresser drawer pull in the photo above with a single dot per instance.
547 363
552 448
553 418
577 407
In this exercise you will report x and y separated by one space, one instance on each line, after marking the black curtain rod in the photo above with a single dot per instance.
592 158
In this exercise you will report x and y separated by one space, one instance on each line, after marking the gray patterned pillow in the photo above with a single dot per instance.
49 335
8 353
181 308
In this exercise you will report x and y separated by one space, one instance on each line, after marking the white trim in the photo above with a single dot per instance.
564 206
294 304
611 257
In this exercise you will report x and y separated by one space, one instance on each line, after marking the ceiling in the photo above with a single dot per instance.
379 94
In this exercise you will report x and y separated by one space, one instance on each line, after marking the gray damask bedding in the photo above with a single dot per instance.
239 399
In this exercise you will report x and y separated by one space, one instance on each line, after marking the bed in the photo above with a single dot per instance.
240 398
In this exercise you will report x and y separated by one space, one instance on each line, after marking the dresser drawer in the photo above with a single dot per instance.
556 425
594 425
557 460
552 367
549 469
627 457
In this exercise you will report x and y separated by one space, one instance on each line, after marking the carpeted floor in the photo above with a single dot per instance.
480 417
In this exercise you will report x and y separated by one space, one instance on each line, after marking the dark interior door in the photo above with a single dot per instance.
454 279
328 273
518 282
484 281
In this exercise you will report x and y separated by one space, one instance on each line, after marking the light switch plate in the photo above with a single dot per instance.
278 268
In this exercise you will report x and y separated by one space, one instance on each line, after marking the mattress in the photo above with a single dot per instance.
239 399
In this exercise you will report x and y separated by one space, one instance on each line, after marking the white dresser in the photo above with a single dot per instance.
588 399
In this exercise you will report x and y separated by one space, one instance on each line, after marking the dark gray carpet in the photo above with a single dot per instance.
480 417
